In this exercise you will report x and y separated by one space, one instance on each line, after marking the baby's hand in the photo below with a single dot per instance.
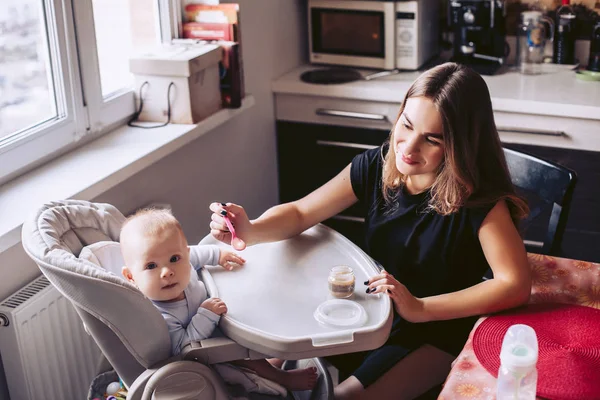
215 305
227 259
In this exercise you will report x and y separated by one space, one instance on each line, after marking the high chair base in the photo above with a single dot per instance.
190 380
179 380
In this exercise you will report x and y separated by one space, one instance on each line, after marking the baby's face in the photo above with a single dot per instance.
158 264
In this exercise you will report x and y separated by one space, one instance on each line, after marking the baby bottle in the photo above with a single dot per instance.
517 376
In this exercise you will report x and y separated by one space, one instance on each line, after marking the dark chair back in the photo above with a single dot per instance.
548 188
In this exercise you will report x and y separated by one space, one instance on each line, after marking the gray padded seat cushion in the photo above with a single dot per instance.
55 236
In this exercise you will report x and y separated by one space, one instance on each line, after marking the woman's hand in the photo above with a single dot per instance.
227 259
407 306
238 218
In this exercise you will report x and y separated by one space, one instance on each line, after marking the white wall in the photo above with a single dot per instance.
237 162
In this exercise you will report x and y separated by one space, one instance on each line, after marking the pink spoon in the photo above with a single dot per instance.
231 228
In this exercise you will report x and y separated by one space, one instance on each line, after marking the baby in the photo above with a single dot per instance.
160 263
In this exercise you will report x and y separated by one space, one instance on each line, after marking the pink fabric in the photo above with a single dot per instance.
555 280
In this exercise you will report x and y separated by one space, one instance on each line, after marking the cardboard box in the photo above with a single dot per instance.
194 72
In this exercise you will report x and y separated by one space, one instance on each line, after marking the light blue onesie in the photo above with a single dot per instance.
186 320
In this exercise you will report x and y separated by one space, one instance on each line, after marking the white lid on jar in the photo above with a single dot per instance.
342 313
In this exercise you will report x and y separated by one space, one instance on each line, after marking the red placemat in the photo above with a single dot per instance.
569 347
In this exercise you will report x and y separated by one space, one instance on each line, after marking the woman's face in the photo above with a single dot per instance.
418 140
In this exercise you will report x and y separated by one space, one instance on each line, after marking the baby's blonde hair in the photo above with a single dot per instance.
153 221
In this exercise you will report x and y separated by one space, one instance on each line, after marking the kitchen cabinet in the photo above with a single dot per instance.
310 154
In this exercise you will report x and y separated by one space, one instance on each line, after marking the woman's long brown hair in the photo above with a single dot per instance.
473 172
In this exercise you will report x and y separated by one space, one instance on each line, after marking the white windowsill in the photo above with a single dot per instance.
92 169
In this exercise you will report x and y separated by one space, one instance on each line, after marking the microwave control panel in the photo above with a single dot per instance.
417 27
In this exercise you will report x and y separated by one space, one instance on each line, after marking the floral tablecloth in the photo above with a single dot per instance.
555 280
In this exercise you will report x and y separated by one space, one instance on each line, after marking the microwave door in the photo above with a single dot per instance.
348 32
350 37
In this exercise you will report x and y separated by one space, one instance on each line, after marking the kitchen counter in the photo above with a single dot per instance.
555 93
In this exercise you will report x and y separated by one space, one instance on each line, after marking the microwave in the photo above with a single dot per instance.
377 34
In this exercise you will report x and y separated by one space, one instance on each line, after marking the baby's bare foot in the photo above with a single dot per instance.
299 379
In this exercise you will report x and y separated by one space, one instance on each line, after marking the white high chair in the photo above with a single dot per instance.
132 334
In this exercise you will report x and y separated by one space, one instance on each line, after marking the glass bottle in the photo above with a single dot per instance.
564 38
531 41
594 59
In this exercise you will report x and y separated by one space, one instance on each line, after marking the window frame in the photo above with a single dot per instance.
102 114
170 20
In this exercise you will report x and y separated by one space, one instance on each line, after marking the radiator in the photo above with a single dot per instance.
45 350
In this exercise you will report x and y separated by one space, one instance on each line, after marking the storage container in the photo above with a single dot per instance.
184 79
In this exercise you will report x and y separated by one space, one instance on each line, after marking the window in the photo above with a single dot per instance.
64 75
26 89
113 38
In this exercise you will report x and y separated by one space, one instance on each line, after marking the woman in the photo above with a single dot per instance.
441 210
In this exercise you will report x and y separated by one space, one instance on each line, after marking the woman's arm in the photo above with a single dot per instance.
510 287
285 220
504 250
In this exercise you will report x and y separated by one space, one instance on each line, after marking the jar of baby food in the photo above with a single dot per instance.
341 281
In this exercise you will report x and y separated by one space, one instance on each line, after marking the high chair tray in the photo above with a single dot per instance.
272 299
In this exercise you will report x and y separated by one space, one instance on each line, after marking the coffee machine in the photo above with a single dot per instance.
479 30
